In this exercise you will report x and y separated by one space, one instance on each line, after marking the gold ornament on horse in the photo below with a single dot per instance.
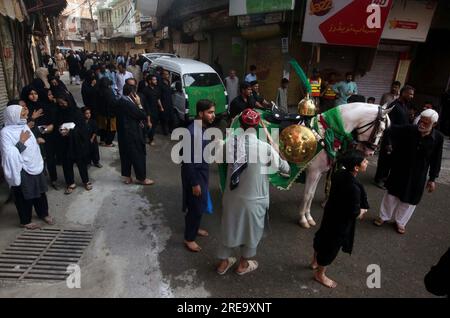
306 107
298 144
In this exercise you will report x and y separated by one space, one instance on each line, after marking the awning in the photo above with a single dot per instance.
14 9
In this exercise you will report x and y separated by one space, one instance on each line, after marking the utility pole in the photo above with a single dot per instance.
93 23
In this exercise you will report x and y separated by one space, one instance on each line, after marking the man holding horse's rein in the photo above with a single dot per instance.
398 116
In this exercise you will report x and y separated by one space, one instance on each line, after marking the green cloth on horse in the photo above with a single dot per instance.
334 132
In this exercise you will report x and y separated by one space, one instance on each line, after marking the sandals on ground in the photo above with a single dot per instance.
88 186
231 262
252 265
70 189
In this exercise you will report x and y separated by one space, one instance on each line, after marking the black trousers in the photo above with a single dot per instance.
192 221
106 136
383 164
68 170
133 157
94 154
51 159
151 131
167 121
25 207
326 255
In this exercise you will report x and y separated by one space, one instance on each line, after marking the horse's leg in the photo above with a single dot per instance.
313 174
313 187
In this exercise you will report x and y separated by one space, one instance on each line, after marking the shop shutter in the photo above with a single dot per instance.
378 80
3 93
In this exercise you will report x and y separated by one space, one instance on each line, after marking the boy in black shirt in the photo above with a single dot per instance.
94 155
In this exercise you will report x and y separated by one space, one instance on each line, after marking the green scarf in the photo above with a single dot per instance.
334 131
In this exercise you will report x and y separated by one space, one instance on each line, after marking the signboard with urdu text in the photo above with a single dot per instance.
345 22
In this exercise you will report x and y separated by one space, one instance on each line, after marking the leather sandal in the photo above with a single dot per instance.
70 189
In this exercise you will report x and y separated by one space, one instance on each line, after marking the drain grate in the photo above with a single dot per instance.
43 254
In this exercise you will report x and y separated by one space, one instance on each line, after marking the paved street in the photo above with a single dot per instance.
137 249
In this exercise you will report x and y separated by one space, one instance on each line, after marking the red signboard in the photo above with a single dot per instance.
345 22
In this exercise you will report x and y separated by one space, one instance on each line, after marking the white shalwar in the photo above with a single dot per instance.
392 207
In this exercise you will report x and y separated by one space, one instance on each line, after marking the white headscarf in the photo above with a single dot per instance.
13 161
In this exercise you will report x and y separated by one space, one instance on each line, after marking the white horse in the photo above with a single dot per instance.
368 121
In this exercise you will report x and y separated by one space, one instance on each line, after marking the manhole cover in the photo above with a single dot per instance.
43 254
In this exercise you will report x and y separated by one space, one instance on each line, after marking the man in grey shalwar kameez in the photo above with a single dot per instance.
246 197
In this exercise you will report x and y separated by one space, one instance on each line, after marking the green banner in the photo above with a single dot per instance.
261 6
213 93
301 74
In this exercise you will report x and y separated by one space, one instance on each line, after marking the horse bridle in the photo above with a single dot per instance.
375 124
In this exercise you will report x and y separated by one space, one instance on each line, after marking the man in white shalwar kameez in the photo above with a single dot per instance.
246 197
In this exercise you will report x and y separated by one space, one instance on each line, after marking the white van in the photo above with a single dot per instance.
198 81
64 50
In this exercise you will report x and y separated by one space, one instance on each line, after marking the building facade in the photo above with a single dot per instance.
77 25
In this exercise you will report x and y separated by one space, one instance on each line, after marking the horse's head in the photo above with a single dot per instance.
369 132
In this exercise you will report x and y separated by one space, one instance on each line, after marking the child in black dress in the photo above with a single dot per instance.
347 202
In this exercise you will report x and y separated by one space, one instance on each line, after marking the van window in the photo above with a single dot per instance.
201 79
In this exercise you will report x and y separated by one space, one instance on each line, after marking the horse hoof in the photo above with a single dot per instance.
311 222
304 224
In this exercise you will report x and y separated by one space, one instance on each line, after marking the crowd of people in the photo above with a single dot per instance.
46 127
